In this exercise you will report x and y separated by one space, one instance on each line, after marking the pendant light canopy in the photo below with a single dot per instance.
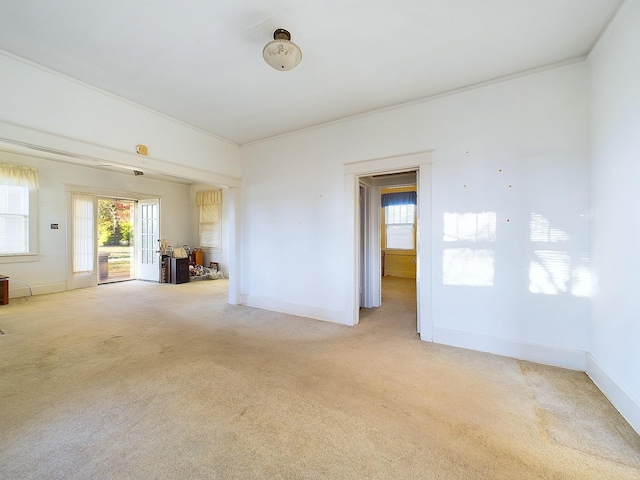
281 53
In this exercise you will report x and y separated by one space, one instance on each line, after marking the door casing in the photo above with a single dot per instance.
421 163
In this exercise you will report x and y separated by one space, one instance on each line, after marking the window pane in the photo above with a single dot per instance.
210 226
14 200
400 214
210 235
210 213
83 243
14 237
14 219
400 226
400 236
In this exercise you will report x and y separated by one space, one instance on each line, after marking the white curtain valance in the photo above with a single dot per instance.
17 176
209 197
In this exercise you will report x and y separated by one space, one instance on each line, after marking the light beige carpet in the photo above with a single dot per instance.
146 381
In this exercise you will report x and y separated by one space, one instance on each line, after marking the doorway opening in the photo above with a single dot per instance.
389 232
419 162
116 246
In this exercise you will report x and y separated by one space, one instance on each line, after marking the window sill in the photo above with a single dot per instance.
20 258
400 251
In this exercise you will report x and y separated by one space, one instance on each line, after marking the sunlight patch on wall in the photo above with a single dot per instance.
470 227
468 267
552 272
541 231
583 281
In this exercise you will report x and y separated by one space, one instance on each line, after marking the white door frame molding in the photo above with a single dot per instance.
234 229
421 162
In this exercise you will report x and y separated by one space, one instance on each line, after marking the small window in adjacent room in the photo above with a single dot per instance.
18 234
400 226
210 226
210 203
83 241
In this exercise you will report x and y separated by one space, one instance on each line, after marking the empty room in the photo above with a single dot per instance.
342 240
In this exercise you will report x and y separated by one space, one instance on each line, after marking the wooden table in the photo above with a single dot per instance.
4 290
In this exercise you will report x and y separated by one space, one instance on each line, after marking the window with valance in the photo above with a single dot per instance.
399 219
210 203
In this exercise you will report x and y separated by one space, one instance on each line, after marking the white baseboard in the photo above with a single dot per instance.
318 313
620 397
545 354
19 290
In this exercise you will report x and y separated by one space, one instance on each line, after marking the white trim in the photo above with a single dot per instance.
308 311
422 100
374 166
114 96
352 272
532 352
234 228
621 398
50 146
421 162
20 258
108 193
19 290
607 30
338 121
424 254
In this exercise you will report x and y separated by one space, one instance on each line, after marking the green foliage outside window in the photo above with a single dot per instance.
115 225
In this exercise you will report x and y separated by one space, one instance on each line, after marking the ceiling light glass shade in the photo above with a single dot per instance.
281 53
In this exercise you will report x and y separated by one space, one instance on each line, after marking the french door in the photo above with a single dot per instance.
148 240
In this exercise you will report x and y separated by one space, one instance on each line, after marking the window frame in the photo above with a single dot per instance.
32 254
385 245
217 226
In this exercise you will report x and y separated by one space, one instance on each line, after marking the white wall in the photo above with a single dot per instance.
294 227
49 272
614 72
533 128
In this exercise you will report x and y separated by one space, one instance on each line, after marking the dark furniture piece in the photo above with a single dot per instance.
165 268
4 290
179 270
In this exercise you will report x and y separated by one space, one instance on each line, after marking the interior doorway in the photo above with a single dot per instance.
116 246
419 162
388 232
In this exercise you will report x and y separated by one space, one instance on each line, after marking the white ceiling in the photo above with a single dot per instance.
201 61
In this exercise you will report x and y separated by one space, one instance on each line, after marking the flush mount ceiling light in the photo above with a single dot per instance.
281 53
